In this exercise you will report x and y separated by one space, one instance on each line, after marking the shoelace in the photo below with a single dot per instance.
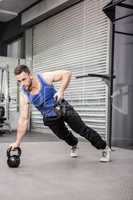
104 153
74 149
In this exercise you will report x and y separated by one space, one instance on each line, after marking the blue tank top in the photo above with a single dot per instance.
44 100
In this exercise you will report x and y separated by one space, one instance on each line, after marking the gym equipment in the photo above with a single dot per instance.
2 111
2 118
59 108
13 157
4 100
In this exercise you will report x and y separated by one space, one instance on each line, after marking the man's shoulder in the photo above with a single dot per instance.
46 77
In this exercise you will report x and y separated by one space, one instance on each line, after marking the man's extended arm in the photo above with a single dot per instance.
22 122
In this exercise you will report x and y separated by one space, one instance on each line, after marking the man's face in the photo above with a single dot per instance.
25 80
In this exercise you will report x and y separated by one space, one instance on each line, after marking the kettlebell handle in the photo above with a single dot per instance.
15 149
58 102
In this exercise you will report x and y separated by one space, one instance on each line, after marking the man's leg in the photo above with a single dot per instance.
59 128
75 122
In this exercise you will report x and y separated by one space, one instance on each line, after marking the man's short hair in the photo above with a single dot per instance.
21 68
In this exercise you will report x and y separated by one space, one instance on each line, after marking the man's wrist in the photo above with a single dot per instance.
61 90
18 143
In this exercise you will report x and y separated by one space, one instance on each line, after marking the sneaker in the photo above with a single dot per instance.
106 155
74 152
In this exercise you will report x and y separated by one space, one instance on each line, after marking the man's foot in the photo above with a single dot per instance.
106 155
74 151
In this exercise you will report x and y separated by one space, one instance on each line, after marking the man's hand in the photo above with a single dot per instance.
59 95
14 145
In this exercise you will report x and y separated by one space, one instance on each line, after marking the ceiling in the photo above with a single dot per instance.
10 8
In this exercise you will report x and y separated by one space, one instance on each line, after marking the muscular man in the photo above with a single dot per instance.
39 90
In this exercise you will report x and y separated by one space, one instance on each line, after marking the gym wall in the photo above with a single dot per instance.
123 84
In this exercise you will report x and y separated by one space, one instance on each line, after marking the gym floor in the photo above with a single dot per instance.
47 172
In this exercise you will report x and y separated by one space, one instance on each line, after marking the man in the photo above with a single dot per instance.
40 91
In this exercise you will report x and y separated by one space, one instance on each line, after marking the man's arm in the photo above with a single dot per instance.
60 75
22 122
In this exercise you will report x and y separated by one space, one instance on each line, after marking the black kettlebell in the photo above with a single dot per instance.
13 157
59 107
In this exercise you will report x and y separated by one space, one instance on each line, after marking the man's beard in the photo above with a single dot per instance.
29 88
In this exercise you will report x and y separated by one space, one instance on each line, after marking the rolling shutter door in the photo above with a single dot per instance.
76 39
